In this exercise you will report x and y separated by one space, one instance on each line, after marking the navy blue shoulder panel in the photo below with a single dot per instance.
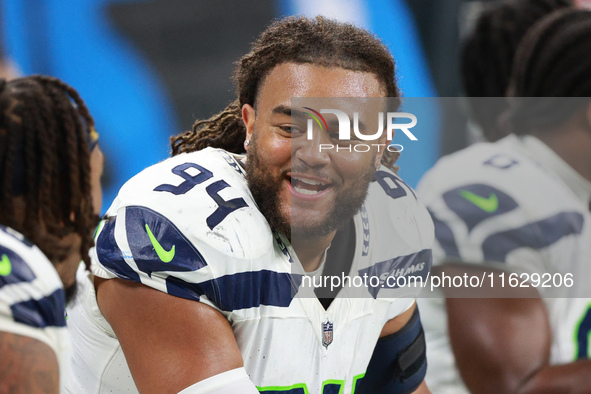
157 244
48 311
411 267
241 290
13 269
445 236
535 235
475 203
110 255
43 312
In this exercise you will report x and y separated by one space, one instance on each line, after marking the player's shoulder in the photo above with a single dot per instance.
31 292
398 209
495 178
396 235
191 217
201 197
187 173
491 198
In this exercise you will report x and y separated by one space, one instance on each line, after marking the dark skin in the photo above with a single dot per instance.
29 366
497 351
192 341
496 347
184 340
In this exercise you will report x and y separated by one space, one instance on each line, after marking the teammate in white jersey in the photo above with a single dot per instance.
50 167
211 226
521 205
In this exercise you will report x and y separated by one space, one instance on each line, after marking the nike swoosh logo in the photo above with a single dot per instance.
489 204
165 256
5 266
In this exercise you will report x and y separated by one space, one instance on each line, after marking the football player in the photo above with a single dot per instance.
487 53
50 165
521 205
195 277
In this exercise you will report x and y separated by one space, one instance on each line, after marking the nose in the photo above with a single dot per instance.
314 152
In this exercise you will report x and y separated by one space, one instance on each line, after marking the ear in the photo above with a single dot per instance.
248 117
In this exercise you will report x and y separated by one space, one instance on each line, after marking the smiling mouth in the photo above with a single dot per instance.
308 187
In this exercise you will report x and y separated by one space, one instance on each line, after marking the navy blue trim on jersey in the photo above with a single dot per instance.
477 202
397 191
185 257
240 291
297 390
234 163
48 311
110 255
445 236
501 161
365 224
19 269
536 235
332 388
412 265
399 363
282 246
582 336
224 207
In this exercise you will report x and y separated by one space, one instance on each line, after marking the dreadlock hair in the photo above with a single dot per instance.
45 160
550 79
486 55
318 41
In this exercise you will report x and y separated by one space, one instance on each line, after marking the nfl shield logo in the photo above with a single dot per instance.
327 337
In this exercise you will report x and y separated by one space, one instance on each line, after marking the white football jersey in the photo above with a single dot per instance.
516 204
32 298
189 227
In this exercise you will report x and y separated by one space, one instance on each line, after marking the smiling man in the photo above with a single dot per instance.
200 260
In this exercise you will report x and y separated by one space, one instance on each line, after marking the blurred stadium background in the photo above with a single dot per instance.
149 68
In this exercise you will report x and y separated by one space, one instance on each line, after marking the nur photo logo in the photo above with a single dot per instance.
344 125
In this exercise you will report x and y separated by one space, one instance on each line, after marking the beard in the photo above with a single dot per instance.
265 188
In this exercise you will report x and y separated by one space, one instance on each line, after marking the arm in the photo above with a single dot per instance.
398 363
393 326
28 366
422 389
166 336
503 346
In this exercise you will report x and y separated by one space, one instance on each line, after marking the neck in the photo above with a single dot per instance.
310 251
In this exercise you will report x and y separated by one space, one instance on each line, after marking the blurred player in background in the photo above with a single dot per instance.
193 264
486 56
50 196
521 204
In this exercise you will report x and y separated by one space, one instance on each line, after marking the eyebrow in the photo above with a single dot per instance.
287 110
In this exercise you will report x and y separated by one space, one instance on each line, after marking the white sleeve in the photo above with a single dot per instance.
229 382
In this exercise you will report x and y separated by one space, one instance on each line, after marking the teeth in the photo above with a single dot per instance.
305 191
310 182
